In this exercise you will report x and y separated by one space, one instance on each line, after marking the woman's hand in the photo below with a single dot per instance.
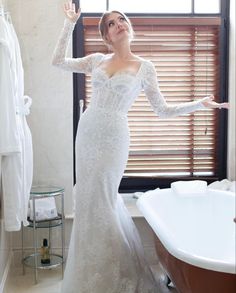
210 103
70 13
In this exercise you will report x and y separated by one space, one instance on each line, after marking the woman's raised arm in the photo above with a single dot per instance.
159 105
59 59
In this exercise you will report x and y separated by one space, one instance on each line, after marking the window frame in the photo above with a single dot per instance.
131 184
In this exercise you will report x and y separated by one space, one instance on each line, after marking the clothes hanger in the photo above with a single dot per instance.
4 12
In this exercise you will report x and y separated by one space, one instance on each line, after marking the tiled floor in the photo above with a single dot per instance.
49 281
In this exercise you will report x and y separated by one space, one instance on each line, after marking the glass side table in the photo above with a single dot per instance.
34 260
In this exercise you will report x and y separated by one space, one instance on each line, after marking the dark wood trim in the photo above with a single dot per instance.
93 21
224 72
78 83
132 184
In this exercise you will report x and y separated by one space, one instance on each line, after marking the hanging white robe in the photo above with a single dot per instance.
17 168
23 108
9 134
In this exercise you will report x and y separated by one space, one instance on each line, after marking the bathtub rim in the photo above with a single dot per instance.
181 254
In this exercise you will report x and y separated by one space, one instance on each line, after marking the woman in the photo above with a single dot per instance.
105 253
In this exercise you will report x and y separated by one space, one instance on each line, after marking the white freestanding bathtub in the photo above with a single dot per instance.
195 238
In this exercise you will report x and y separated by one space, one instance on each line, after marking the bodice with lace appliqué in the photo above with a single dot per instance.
116 93
120 90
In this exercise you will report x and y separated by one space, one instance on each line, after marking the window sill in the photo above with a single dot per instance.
130 203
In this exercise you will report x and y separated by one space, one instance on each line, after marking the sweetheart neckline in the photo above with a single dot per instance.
121 72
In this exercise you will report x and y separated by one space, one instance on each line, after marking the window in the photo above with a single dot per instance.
202 6
189 61
92 6
152 6
159 6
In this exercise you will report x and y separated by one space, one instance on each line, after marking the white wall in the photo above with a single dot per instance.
38 24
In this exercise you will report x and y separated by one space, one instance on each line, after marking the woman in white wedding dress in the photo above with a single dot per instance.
105 253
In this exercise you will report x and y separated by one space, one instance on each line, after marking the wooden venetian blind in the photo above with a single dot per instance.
185 54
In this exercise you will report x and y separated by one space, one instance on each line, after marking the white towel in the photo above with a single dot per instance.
189 187
232 186
224 184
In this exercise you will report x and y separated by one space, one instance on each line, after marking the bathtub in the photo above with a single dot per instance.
194 238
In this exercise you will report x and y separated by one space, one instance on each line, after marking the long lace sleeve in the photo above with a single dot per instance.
59 59
158 103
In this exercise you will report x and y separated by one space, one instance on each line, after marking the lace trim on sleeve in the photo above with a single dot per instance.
158 103
59 59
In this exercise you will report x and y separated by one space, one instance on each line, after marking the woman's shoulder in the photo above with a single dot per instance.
95 59
99 57
144 62
147 67
147 62
96 55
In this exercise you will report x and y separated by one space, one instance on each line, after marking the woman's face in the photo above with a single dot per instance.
117 28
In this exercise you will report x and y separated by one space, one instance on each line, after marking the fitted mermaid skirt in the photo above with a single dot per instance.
105 253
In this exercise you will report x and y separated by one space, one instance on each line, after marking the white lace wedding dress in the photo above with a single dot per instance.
105 253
